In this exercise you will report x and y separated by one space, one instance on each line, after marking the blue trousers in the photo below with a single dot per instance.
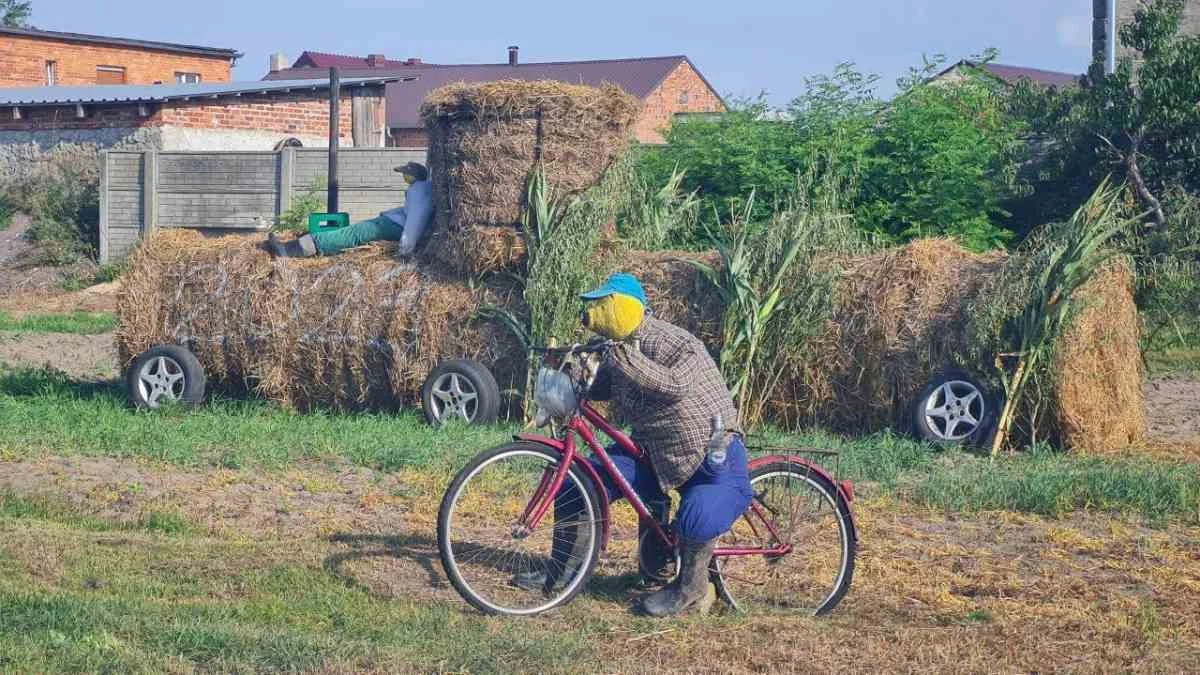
710 501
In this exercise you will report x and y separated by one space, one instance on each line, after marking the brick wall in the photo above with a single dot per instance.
23 63
295 114
409 138
669 98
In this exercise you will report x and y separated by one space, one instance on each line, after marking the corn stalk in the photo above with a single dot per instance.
1063 260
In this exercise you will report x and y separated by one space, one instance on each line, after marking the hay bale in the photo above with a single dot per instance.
485 138
900 317
1099 402
358 330
476 250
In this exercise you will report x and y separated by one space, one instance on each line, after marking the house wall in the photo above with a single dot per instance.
661 104
23 63
222 192
1126 9
243 123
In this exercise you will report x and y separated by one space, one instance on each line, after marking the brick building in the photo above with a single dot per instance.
230 116
35 58
666 85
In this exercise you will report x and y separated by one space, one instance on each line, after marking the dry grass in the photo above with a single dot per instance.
352 331
991 592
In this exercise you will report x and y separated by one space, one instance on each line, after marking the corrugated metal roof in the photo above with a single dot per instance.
124 42
158 93
638 76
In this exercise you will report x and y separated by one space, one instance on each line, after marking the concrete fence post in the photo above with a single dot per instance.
287 177
103 252
149 192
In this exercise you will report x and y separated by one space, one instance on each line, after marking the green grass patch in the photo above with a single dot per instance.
50 510
1174 361
78 323
46 413
148 603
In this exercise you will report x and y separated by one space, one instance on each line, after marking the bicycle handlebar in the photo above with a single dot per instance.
589 348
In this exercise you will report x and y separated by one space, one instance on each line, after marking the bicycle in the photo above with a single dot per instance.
492 524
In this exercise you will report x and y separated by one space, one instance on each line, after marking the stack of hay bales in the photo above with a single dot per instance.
902 316
358 330
484 141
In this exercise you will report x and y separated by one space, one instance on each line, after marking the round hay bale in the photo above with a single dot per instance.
1099 404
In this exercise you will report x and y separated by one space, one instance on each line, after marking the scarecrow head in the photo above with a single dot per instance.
616 309
413 172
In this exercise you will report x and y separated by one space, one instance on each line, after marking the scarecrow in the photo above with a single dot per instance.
405 224
663 383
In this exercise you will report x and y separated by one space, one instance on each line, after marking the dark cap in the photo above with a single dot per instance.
415 169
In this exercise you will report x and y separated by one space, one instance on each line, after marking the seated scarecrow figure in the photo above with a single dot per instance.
662 382
405 224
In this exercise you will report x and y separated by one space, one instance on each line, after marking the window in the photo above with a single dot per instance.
51 73
187 78
683 97
110 75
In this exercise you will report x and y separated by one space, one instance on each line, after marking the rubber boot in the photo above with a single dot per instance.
566 555
303 247
690 588
654 557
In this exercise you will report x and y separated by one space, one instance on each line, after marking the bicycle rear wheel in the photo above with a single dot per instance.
792 506
483 552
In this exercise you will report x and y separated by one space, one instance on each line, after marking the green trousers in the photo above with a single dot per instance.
357 234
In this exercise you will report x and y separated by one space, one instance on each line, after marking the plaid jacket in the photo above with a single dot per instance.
668 392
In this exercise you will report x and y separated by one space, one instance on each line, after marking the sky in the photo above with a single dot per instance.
743 48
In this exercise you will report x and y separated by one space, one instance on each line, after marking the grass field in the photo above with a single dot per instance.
239 537
78 323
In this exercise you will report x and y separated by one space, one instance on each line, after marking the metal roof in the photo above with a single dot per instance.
158 93
124 42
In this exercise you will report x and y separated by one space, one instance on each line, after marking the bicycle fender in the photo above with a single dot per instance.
845 488
560 447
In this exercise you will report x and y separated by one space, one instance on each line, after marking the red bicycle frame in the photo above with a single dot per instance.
581 425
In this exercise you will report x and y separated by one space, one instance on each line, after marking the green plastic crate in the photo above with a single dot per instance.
323 222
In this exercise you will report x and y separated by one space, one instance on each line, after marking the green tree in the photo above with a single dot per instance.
943 161
1141 122
15 13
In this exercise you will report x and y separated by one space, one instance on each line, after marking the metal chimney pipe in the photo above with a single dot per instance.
1110 58
512 54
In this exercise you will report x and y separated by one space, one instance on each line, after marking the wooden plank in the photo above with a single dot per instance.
105 160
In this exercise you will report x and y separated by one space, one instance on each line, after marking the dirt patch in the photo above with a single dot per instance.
1173 408
82 356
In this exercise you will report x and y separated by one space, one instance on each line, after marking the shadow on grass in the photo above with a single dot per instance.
421 549
41 382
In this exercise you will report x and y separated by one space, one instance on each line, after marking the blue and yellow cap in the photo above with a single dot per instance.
622 283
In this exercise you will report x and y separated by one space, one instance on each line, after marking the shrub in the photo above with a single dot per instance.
311 201
6 212
60 190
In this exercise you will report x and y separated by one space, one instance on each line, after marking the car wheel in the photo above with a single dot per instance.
460 389
955 409
164 375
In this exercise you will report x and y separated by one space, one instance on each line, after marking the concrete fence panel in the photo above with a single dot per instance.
223 192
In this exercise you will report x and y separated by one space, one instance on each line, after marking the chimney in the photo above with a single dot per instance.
376 60
278 62
512 54
413 61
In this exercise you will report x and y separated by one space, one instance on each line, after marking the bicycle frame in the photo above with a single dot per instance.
581 425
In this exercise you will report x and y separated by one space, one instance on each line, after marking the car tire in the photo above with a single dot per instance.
460 388
164 375
955 408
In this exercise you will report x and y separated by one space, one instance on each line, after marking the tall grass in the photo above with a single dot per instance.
78 323
1057 261
659 217
776 281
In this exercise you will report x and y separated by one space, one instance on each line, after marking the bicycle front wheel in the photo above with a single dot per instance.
498 567
793 506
